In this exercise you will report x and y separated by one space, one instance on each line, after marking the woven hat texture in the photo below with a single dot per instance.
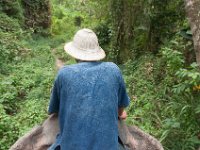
85 46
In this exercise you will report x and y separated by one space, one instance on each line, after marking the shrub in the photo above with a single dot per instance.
12 8
168 89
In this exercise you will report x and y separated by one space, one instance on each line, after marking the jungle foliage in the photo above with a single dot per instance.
150 40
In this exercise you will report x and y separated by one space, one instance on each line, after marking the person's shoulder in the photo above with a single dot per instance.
113 69
112 65
67 69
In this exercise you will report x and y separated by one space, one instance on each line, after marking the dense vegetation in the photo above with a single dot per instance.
150 40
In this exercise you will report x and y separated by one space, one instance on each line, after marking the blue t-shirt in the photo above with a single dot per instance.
86 97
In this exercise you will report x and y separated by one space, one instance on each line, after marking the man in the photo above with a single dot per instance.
88 97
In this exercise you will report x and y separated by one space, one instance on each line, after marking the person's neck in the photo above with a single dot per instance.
80 61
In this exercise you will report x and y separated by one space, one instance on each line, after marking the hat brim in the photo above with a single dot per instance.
84 55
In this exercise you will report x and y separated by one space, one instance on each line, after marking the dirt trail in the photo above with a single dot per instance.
59 63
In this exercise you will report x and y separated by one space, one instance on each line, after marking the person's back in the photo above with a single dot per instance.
88 105
87 97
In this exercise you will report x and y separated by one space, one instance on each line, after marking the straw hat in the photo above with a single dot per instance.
85 46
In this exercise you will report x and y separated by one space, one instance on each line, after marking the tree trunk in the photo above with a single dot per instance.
124 16
193 14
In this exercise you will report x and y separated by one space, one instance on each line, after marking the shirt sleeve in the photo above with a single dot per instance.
124 99
54 99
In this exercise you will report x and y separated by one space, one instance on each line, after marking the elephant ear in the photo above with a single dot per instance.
134 138
40 137
125 136
43 136
25 142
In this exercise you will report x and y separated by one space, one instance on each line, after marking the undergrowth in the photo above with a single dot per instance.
165 95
